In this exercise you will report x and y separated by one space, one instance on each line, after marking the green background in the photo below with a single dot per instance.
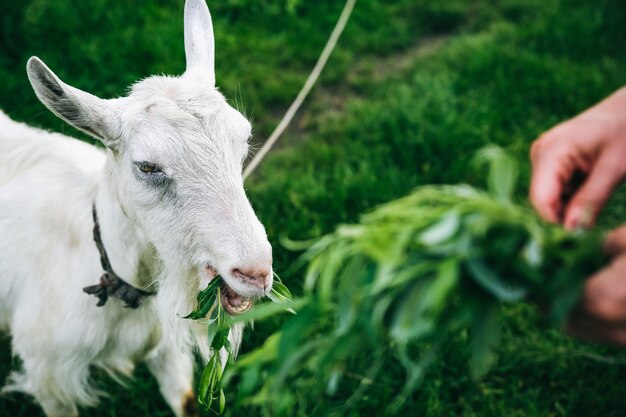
413 89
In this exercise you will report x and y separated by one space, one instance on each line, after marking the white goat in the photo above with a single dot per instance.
168 192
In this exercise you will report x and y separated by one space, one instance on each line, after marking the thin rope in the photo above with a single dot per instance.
306 89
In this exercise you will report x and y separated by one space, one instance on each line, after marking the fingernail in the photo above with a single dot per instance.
580 217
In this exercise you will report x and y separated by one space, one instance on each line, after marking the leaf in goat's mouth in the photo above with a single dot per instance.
206 300
217 302
236 303
219 293
280 293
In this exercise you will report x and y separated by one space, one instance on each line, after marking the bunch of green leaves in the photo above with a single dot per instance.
210 311
412 273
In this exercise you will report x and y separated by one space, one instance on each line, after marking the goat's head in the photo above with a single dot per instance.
175 156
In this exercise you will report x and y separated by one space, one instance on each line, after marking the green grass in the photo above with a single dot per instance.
387 116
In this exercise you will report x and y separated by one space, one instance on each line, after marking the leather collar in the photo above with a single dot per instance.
110 283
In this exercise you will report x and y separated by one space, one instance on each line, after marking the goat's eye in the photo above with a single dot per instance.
148 167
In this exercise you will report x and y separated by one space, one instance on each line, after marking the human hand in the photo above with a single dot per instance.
591 145
601 313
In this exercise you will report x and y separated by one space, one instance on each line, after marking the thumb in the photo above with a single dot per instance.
605 176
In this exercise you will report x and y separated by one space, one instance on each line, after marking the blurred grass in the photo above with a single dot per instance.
414 88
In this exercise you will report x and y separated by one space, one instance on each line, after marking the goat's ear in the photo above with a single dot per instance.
199 39
82 110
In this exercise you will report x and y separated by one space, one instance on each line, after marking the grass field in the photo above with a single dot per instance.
414 88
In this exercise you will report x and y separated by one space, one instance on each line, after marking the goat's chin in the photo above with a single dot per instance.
175 299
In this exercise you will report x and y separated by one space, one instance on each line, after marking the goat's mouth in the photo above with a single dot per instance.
232 302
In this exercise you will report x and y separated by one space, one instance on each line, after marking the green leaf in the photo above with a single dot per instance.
502 172
532 253
249 380
266 310
205 380
488 280
444 283
280 290
265 353
346 314
418 311
485 338
216 313
220 338
203 309
206 299
216 382
333 382
280 295
222 401
212 332
441 231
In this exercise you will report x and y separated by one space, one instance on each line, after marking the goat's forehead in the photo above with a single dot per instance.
176 89
173 100
167 108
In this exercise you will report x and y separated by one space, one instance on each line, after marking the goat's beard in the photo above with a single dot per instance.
178 288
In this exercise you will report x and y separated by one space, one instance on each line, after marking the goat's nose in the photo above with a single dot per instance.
255 276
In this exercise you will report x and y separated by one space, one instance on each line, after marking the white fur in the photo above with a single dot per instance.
159 233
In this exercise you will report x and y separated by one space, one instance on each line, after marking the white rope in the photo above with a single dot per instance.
306 89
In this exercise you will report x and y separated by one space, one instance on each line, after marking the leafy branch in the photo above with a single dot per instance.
209 311
412 273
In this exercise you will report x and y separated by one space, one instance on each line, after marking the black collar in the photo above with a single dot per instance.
110 283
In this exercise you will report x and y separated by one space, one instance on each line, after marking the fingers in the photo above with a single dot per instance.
587 202
615 242
601 313
585 328
591 144
604 295
547 184
545 189
554 164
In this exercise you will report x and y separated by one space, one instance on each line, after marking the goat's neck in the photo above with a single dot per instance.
131 257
